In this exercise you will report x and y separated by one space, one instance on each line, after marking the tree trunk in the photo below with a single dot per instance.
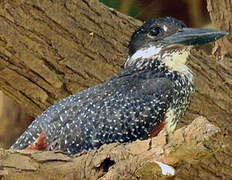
50 49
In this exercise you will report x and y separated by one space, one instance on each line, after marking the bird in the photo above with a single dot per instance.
150 94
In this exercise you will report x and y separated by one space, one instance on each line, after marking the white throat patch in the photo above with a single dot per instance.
175 61
146 52
143 53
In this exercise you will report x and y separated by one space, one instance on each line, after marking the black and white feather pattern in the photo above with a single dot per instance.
122 109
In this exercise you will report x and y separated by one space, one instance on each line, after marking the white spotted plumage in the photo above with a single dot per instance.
124 108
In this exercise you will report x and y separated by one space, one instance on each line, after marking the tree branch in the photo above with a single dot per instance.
188 144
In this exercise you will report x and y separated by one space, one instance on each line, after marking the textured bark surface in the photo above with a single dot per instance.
197 141
50 49
12 117
220 13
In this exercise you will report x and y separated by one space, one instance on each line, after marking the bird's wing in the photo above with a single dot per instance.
163 91
126 115
102 103
158 86
160 93
58 115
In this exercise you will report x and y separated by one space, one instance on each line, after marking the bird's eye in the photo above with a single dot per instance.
154 31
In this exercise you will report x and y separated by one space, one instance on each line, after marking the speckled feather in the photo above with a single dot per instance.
124 108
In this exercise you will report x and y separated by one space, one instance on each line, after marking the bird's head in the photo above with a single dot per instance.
169 40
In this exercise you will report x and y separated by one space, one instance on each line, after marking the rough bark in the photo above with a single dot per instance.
11 116
220 13
50 49
197 141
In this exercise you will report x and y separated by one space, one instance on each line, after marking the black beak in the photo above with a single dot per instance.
194 36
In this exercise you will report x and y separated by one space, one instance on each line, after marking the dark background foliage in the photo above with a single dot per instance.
192 12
